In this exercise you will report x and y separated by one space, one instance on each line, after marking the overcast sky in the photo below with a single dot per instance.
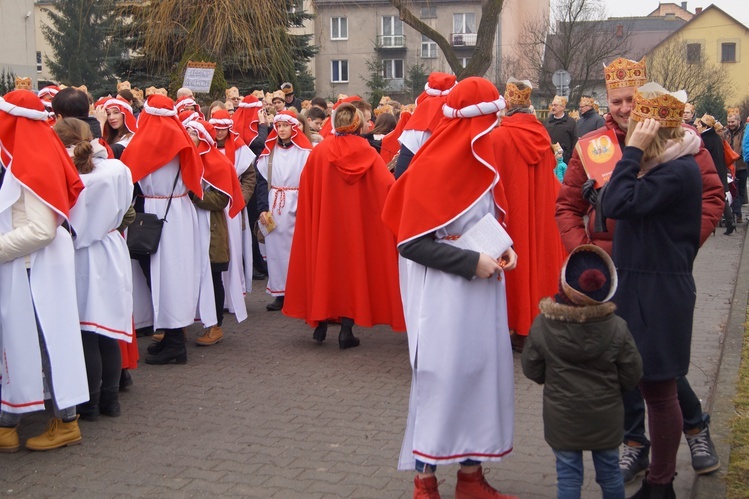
738 9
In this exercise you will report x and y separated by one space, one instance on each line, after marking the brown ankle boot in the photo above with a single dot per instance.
9 439
58 434
474 486
210 336
426 488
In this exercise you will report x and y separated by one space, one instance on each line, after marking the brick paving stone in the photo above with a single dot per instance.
269 413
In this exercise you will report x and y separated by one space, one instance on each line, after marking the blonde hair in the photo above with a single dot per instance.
657 147
345 116
74 132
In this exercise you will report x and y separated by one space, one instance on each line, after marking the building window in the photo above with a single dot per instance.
392 32
694 53
464 23
393 69
429 12
428 48
727 52
339 71
38 62
339 28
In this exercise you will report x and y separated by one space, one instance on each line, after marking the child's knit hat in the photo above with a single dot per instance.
588 277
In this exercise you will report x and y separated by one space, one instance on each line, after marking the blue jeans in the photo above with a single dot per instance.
422 467
570 473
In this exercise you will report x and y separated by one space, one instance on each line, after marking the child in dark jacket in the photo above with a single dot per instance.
585 356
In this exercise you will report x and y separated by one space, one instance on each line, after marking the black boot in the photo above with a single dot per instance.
655 491
346 338
320 331
126 380
174 349
89 410
156 347
275 305
109 405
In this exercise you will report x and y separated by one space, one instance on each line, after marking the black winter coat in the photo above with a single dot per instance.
657 236
714 145
564 131
585 357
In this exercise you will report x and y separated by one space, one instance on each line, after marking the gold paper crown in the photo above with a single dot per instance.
575 115
123 85
561 100
708 120
232 92
733 111
517 97
587 101
23 83
624 73
665 109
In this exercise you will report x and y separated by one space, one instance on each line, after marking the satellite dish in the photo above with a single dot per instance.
561 78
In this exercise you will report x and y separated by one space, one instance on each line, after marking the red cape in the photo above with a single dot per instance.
33 153
218 170
526 168
343 260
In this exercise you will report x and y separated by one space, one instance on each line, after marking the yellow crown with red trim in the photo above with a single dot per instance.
517 97
667 109
624 73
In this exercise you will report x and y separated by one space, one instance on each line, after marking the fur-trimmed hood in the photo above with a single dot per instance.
569 313
578 334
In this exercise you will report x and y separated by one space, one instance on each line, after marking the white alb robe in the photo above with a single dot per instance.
461 405
104 280
283 195
48 288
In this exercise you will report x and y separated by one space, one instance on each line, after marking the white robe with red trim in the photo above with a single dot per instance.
103 273
462 389
48 288
283 195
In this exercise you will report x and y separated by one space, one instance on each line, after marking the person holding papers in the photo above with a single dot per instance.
461 407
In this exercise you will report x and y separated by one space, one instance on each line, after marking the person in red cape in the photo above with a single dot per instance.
461 406
343 260
252 123
280 167
39 324
188 103
390 145
223 190
120 125
425 118
526 168
327 126
166 166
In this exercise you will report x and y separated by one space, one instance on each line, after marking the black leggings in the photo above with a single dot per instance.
103 361
218 289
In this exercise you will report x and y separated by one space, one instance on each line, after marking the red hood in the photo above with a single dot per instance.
350 156
529 135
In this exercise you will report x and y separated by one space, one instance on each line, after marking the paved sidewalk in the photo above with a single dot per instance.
269 413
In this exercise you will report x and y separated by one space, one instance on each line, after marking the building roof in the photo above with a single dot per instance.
711 7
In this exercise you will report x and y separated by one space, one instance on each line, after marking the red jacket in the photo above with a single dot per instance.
571 207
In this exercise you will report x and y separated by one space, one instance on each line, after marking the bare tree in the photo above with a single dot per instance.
481 58
581 41
677 66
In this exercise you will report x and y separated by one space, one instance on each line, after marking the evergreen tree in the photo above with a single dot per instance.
7 81
712 103
377 84
84 49
417 78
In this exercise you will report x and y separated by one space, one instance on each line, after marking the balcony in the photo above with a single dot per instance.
463 39
391 42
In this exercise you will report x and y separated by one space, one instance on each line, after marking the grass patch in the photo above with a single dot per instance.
737 479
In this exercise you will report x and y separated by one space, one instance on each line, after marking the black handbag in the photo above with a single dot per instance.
144 234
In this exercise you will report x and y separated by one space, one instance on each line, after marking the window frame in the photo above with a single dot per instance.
463 30
723 45
337 20
392 65
431 46
340 65
689 58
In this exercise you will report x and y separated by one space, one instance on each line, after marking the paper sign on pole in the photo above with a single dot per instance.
198 76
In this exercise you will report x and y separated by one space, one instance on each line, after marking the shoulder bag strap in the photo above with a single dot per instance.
270 168
169 204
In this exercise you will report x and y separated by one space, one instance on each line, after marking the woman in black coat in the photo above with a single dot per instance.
714 145
654 194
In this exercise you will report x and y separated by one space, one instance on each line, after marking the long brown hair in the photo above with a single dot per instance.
74 132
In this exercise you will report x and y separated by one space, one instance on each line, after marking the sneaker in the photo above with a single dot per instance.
633 461
704 458
426 488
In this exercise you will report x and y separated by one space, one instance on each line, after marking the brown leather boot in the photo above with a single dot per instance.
474 486
9 439
426 488
58 434
210 336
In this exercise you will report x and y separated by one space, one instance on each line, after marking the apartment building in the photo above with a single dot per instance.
352 33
